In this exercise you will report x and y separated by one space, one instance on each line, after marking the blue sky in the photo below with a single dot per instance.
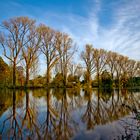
109 24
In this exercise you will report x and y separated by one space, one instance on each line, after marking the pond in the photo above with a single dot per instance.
65 114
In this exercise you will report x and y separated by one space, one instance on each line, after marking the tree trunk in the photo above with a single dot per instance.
14 74
89 78
27 76
112 76
98 78
65 80
48 77
65 75
118 80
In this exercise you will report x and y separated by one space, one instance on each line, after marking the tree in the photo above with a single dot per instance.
118 67
132 69
58 80
106 79
100 60
48 48
123 75
88 58
111 58
65 49
14 38
30 53
4 73
20 75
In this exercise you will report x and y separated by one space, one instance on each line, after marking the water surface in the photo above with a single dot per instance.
64 114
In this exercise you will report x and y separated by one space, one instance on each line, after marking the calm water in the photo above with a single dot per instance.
68 114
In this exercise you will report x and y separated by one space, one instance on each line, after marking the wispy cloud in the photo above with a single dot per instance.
122 36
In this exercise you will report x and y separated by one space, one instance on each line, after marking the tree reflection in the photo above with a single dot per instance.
76 100
111 109
54 113
131 127
14 130
5 100
88 116
66 126
29 121
103 107
49 125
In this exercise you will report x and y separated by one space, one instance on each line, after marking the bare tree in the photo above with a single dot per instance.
118 67
14 38
100 58
138 68
124 74
88 58
111 58
132 69
48 48
66 49
30 53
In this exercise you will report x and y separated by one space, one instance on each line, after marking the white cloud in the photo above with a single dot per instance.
123 35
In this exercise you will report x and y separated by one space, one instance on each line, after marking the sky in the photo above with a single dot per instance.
108 24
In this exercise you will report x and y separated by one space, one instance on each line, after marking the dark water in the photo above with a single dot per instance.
69 114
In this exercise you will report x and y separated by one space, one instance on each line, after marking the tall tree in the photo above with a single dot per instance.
118 67
100 59
4 73
111 58
88 58
124 73
133 69
65 49
30 53
138 68
14 38
48 48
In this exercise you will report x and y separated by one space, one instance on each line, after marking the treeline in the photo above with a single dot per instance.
109 67
23 42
